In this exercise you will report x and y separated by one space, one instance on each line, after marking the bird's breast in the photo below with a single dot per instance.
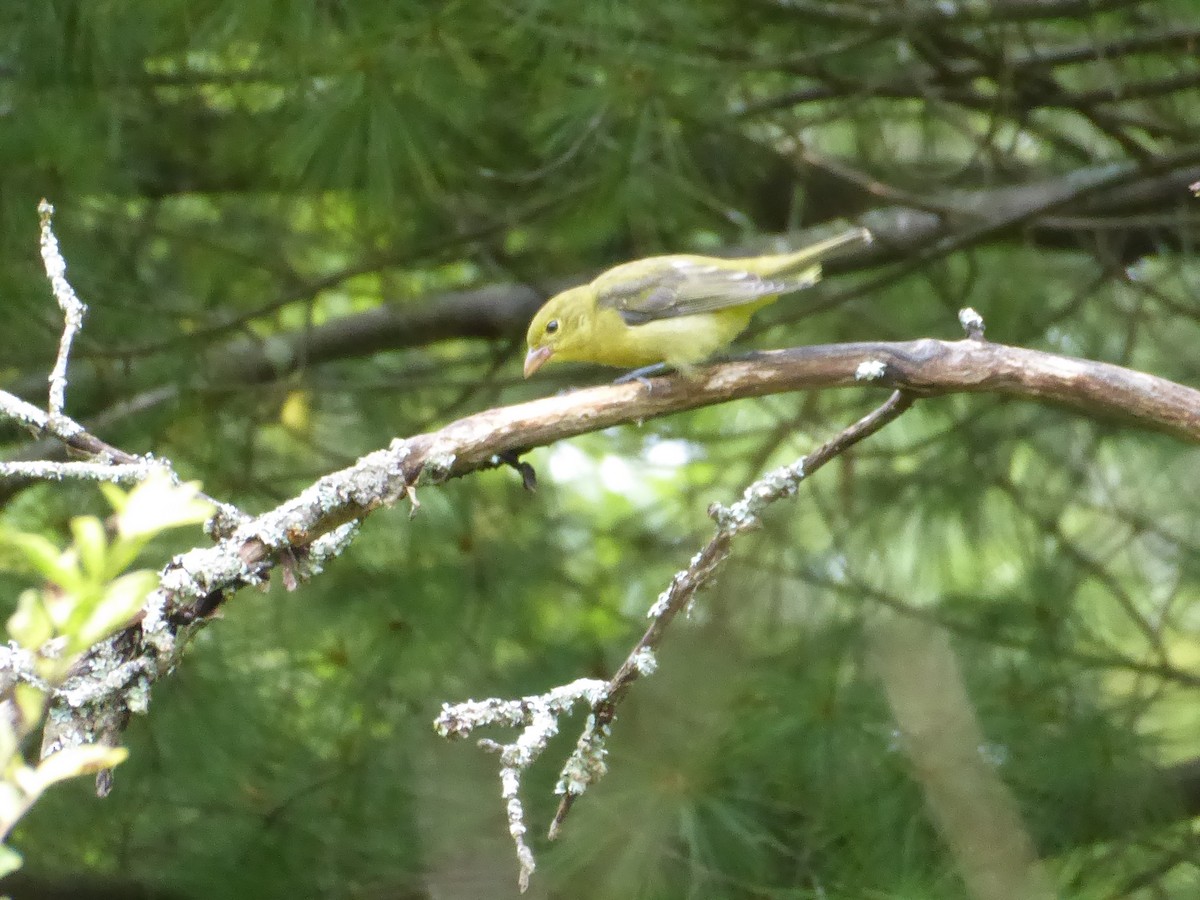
676 340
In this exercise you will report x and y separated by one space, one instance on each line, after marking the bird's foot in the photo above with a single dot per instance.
642 376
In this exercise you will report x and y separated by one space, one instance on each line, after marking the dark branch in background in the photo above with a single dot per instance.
493 313
501 312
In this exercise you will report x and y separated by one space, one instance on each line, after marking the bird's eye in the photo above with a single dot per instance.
552 326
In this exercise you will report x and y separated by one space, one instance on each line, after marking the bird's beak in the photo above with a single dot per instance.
536 358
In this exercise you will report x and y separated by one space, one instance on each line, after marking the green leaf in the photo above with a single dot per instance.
86 759
116 497
31 701
122 600
50 561
30 625
9 741
157 504
92 545
123 551
10 860
13 801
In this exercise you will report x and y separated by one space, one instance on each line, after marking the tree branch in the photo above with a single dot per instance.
304 531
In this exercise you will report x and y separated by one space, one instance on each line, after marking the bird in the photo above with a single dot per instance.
679 310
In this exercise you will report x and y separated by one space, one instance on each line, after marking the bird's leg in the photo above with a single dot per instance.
642 375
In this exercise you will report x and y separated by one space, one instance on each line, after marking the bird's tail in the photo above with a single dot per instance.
787 262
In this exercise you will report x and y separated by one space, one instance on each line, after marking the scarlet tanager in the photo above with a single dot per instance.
677 309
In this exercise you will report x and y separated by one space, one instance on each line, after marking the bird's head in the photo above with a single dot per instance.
558 331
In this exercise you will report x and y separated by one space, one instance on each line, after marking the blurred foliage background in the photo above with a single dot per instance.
304 228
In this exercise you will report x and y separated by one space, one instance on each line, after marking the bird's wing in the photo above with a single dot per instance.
683 286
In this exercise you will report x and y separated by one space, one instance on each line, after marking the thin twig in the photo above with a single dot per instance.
731 521
122 473
68 301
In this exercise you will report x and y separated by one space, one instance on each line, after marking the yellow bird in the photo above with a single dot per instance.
679 310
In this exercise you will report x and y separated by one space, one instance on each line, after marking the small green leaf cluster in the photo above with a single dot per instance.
86 596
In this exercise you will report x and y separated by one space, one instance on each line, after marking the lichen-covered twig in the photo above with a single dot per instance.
538 716
68 301
108 463
972 323
743 515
